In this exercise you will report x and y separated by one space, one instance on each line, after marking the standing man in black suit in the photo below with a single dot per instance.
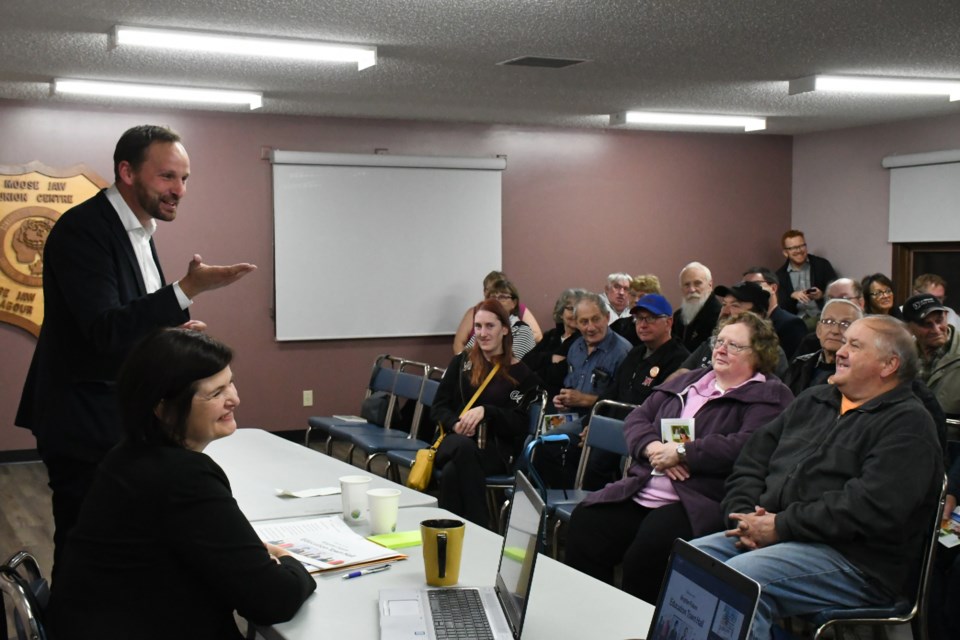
104 290
803 278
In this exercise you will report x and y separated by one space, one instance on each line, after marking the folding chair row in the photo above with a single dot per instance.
374 443
382 380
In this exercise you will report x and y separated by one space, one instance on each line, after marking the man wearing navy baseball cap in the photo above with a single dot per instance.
939 348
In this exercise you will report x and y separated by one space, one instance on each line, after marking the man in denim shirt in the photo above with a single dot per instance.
593 358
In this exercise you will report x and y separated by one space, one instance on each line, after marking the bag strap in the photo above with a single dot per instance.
483 386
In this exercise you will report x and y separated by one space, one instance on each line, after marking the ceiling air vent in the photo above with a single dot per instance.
541 61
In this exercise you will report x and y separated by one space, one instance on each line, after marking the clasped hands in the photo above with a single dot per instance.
754 530
468 422
569 398
664 458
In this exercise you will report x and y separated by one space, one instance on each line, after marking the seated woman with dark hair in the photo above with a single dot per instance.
161 549
673 490
498 413
505 292
878 296
465 330
547 359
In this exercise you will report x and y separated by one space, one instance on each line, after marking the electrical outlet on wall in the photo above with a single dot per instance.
308 397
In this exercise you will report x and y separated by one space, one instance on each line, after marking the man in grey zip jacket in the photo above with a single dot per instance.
829 504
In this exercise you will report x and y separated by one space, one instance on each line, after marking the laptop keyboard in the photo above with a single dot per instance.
458 615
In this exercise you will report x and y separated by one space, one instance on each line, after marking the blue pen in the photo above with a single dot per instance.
363 572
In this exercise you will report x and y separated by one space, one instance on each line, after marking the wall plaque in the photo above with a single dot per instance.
32 197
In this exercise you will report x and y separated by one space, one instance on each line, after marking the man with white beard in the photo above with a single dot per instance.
694 321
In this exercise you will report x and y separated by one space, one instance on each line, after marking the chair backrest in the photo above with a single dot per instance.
384 374
929 552
408 385
538 409
605 434
23 586
427 396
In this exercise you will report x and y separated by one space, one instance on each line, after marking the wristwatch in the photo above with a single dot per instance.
682 452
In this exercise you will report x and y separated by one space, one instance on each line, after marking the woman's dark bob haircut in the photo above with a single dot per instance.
159 379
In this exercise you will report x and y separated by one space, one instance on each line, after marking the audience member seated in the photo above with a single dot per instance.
616 293
161 549
592 363
465 330
878 296
593 358
694 321
674 489
646 366
504 292
939 348
937 287
465 457
846 289
816 368
740 297
803 278
548 358
789 327
829 505
843 289
639 287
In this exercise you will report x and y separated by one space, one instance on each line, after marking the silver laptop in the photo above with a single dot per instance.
416 614
703 598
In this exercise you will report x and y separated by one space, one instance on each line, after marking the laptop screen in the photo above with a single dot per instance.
519 553
703 599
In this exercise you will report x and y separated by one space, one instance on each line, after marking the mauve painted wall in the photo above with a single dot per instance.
577 205
841 193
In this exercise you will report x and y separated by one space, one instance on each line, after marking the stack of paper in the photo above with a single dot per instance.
325 543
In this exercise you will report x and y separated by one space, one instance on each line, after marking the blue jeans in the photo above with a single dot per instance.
796 578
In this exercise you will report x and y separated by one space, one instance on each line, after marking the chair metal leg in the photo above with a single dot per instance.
328 446
306 437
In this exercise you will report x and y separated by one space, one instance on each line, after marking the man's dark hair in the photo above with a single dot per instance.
768 275
132 145
165 368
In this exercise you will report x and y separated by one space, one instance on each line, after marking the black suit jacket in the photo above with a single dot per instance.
821 274
96 309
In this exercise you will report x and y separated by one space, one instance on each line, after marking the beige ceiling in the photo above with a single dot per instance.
437 58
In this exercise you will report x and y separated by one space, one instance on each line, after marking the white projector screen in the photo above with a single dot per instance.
375 246
924 197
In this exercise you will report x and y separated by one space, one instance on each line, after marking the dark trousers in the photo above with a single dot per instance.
69 480
463 470
601 536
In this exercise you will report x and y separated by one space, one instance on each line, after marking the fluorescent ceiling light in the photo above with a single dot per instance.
868 84
157 92
688 120
364 56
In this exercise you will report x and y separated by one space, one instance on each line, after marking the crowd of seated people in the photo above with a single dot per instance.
873 376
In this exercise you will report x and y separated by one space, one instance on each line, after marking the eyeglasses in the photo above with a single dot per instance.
830 323
799 247
638 319
568 307
502 297
883 293
732 347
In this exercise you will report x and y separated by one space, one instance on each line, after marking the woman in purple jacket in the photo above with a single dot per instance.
673 489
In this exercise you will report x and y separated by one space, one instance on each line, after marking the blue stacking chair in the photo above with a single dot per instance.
504 481
397 458
605 434
377 442
382 378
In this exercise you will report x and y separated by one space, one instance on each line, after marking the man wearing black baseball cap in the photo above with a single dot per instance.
939 349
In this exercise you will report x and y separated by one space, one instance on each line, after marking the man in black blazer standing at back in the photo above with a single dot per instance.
103 291
803 278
